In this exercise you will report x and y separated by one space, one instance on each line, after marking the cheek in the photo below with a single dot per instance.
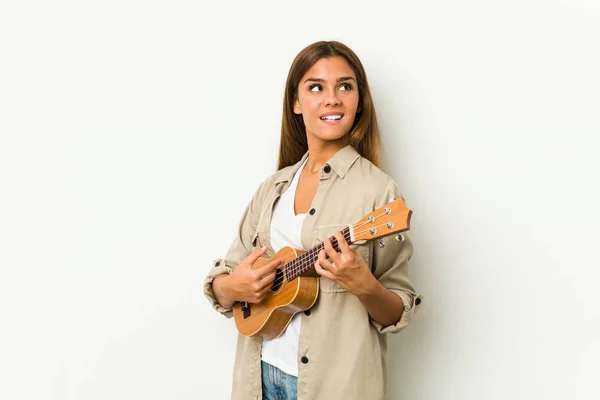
353 101
312 104
310 109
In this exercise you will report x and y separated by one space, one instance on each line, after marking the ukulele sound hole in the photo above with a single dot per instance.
278 280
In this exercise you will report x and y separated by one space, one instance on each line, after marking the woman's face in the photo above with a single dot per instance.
327 99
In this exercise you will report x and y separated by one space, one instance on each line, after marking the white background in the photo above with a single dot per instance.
133 134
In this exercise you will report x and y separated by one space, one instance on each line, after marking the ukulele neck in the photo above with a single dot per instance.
306 260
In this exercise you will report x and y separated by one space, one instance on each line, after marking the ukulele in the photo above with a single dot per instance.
296 284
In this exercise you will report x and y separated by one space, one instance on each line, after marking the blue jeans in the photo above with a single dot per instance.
277 385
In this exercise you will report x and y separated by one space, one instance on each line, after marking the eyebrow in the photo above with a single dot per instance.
343 78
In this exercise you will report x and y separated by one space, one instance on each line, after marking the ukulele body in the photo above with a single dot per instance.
271 317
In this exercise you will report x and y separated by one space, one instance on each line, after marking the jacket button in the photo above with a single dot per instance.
418 301
307 312
312 211
304 360
327 169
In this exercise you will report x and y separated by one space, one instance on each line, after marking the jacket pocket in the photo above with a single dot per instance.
256 243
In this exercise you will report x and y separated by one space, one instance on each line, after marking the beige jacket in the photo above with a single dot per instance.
342 352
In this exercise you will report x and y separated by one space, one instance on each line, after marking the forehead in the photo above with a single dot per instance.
329 68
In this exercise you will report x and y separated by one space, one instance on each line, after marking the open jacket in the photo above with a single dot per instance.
342 351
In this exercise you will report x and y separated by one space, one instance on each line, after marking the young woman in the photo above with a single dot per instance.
327 179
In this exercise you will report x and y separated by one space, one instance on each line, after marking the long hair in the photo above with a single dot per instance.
364 134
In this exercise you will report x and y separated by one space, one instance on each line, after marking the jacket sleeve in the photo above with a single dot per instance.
391 268
238 251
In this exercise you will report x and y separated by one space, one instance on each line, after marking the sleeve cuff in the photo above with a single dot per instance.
218 268
412 303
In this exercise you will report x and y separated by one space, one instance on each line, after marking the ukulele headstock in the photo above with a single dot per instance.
391 218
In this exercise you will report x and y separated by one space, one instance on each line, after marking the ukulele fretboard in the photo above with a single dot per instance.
306 260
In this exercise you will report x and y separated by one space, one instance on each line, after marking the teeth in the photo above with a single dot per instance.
332 117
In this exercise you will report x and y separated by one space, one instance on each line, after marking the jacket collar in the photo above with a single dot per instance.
340 163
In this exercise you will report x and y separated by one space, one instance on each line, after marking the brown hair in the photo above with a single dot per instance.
364 134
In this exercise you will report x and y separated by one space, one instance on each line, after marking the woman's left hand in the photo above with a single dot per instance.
347 268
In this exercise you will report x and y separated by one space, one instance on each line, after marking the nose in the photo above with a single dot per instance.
331 98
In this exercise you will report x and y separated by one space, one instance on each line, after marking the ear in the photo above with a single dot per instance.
297 108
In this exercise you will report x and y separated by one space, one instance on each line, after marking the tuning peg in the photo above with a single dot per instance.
381 243
399 237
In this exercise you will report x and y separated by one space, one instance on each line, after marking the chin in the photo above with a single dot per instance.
330 136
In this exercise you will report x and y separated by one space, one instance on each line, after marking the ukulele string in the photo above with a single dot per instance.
295 268
319 247
347 236
302 264
298 266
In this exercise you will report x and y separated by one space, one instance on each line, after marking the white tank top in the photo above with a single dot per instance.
286 230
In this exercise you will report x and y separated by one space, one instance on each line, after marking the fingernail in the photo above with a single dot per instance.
264 248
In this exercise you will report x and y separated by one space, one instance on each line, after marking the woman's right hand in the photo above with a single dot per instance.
248 284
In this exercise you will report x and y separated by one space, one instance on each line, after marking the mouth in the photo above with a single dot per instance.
331 117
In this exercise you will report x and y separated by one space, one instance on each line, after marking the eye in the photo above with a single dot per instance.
346 86
315 87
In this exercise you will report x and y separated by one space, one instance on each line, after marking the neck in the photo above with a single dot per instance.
321 151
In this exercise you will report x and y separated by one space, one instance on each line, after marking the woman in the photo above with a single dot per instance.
327 179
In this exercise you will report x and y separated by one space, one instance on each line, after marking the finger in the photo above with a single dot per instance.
334 255
269 267
342 242
265 292
324 263
323 272
251 259
267 281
